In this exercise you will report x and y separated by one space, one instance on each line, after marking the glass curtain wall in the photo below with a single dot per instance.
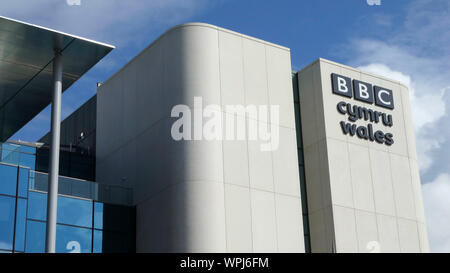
83 225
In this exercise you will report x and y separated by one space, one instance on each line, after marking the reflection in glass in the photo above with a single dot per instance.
74 211
8 179
19 244
7 211
35 237
37 206
98 242
10 153
27 160
73 239
23 182
27 149
98 215
71 211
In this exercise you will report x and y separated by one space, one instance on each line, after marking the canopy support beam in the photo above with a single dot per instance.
52 198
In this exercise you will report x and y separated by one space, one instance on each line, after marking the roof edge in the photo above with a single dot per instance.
59 32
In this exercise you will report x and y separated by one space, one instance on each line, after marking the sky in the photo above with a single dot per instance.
406 40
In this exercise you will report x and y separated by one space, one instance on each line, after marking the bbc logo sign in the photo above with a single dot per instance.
362 91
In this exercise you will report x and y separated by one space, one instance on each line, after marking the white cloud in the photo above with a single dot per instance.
114 21
436 197
427 110
128 24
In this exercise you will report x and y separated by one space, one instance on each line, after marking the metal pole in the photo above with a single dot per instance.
52 198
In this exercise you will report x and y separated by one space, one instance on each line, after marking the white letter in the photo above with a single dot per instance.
184 121
213 127
198 118
342 85
74 247
381 99
252 112
274 135
363 91
235 112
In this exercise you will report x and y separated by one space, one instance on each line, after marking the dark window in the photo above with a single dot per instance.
113 242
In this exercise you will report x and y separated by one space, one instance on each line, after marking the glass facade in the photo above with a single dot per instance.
84 225
301 162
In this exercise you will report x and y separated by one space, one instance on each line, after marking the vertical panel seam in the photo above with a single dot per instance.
223 157
248 153
271 152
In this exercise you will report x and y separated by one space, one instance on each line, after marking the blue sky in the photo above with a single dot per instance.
407 40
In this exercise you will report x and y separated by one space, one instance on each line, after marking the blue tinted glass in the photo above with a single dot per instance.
27 160
98 215
39 181
10 146
19 244
7 212
8 179
27 149
35 237
37 206
10 153
73 240
73 211
2 251
98 241
23 182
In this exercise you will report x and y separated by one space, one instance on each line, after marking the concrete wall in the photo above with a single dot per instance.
361 194
202 196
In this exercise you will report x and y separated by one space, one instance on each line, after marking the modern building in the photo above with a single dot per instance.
207 141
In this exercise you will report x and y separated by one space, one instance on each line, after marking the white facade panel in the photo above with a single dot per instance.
214 195
375 185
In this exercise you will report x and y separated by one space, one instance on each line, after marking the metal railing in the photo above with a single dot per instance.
83 189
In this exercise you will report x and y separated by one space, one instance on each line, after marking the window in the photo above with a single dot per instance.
27 160
35 237
98 242
113 242
23 182
8 179
98 215
27 149
19 244
73 239
10 153
74 211
7 211
114 217
37 206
